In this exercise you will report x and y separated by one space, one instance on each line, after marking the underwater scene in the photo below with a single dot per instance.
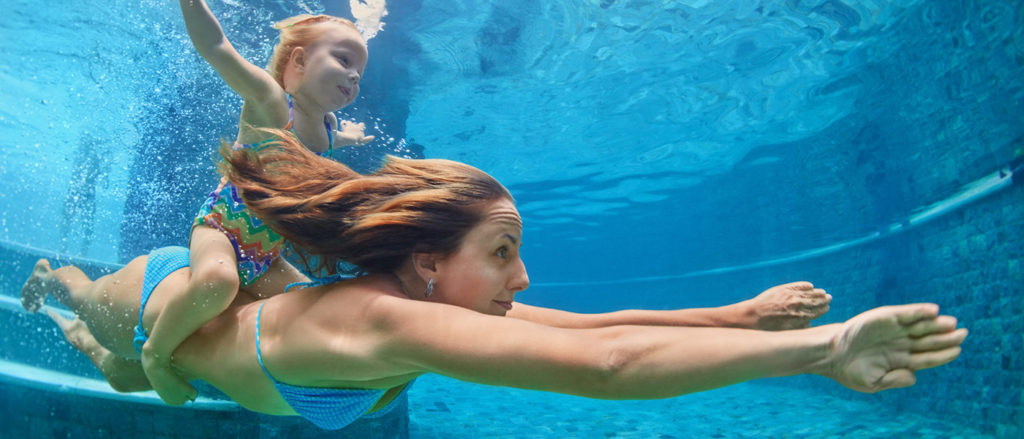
662 155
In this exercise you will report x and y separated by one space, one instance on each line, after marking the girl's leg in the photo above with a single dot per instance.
212 287
278 276
124 375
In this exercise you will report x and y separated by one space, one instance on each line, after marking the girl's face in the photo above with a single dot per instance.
332 67
485 272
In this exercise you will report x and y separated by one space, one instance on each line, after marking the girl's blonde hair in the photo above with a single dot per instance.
373 221
298 31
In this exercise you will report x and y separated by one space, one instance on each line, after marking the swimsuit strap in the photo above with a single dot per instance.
330 139
327 126
259 355
318 281
291 116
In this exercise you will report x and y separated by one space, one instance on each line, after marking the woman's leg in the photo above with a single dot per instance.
110 304
60 283
124 375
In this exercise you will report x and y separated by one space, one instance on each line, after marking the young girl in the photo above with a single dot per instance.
313 71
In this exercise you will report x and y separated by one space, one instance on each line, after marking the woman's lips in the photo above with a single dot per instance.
506 305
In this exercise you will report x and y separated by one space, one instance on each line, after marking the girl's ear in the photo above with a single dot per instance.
298 58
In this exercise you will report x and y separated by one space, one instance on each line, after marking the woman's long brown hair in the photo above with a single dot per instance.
373 221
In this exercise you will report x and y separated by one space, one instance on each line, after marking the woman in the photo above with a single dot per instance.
439 242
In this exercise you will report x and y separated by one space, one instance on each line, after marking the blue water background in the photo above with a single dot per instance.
646 142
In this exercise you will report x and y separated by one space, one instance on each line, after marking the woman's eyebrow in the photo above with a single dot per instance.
510 238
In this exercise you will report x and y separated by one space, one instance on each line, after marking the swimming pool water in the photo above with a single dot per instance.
662 154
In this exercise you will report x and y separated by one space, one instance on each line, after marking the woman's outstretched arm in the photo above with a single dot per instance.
877 350
787 306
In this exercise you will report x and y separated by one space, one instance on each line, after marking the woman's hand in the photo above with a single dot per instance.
787 306
884 347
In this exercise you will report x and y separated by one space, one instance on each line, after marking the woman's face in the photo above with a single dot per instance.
485 271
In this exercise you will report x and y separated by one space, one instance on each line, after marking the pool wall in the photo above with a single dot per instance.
971 263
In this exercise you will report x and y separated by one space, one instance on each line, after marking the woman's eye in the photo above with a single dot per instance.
502 253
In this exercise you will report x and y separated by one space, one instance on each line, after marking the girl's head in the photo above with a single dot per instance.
319 58
375 221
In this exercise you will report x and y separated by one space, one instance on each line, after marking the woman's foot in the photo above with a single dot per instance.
78 334
38 286
122 374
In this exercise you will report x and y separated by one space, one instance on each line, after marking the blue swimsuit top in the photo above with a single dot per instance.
326 407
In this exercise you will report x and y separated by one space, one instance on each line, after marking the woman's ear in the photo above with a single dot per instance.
425 265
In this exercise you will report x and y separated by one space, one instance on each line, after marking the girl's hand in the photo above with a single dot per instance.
351 133
167 383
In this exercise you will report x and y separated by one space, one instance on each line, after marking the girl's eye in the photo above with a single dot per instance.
503 253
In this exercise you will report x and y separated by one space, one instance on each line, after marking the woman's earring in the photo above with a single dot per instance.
430 288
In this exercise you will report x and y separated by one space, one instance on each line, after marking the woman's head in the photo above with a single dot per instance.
320 58
375 221
484 273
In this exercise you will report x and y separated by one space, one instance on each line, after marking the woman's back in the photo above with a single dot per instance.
223 353
294 329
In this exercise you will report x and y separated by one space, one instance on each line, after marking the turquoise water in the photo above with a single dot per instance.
662 154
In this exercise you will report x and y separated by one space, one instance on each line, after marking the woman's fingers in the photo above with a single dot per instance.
897 378
910 314
936 342
938 325
925 360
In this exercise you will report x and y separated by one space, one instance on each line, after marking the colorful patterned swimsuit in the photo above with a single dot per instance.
256 245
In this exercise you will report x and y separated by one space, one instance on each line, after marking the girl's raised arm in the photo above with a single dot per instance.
245 78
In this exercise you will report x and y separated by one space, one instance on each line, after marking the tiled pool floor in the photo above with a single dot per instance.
445 408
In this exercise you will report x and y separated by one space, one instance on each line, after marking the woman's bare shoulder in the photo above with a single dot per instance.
332 336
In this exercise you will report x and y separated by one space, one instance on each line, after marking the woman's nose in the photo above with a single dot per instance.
520 280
